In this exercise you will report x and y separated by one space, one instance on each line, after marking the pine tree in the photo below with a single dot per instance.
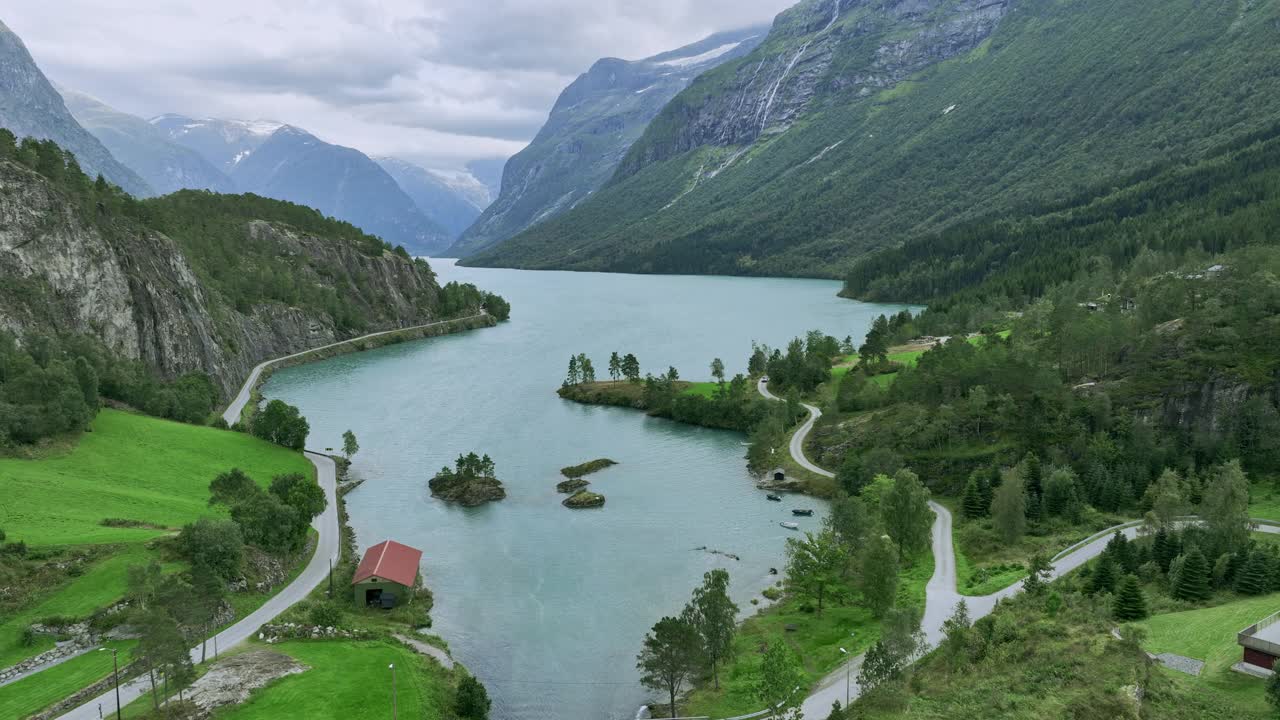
1033 474
1129 604
1253 580
1193 581
973 505
1121 552
1162 553
1104 576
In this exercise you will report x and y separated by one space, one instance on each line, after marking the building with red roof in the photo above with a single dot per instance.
387 575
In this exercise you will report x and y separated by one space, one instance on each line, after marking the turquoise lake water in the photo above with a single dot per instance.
545 605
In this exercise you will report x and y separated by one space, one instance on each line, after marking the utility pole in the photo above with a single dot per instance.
115 673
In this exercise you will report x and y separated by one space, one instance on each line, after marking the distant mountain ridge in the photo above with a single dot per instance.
165 165
590 128
284 162
453 203
31 107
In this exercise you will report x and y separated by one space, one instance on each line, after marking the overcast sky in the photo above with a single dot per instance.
437 81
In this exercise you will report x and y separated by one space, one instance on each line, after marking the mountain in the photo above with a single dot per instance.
591 126
287 163
224 143
31 107
451 201
858 125
489 172
194 281
165 165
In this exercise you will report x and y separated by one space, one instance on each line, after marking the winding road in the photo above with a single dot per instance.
326 553
941 593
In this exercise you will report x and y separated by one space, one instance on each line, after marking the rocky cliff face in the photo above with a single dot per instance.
818 53
31 107
591 126
136 291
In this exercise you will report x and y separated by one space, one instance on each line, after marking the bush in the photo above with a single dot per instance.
472 701
220 423
216 544
28 637
772 593
325 615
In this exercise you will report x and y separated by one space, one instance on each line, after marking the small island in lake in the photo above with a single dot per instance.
586 468
572 486
584 499
470 483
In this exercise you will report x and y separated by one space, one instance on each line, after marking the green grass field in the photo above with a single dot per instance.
1209 634
32 694
815 639
131 467
350 680
99 586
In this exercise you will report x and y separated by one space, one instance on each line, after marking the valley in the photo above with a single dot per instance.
897 359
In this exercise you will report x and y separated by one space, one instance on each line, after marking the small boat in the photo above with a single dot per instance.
802 513
774 497
790 525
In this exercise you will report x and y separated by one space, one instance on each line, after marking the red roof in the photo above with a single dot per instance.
389 560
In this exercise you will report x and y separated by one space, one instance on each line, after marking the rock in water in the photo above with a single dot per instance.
571 486
584 499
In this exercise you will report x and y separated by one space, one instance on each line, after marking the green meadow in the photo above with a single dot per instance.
129 467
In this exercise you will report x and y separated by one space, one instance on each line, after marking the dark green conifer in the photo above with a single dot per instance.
1104 576
1194 582
1252 579
1129 604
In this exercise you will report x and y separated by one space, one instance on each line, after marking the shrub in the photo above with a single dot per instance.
220 423
325 615
28 637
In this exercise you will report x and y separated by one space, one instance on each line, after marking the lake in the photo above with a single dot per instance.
548 606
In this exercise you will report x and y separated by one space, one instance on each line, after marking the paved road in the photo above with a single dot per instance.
797 440
232 414
941 593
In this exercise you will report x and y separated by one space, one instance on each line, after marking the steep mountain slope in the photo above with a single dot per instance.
590 128
860 124
166 166
193 281
446 201
489 172
340 182
31 107
224 143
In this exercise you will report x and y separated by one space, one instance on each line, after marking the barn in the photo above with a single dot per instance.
1261 642
386 576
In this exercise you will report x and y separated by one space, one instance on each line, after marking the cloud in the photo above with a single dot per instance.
440 81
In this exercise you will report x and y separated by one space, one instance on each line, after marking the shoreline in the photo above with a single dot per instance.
244 405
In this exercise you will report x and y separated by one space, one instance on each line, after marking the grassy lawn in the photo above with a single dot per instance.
815 639
132 467
705 389
350 680
1209 634
37 692
1264 500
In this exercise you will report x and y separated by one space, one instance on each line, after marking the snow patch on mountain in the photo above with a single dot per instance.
705 57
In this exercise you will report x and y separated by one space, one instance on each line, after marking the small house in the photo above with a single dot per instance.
779 475
1261 642
387 574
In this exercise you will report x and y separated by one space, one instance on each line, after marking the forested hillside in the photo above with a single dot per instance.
899 120
166 304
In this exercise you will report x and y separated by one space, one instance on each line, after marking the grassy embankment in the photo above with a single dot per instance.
816 639
129 467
